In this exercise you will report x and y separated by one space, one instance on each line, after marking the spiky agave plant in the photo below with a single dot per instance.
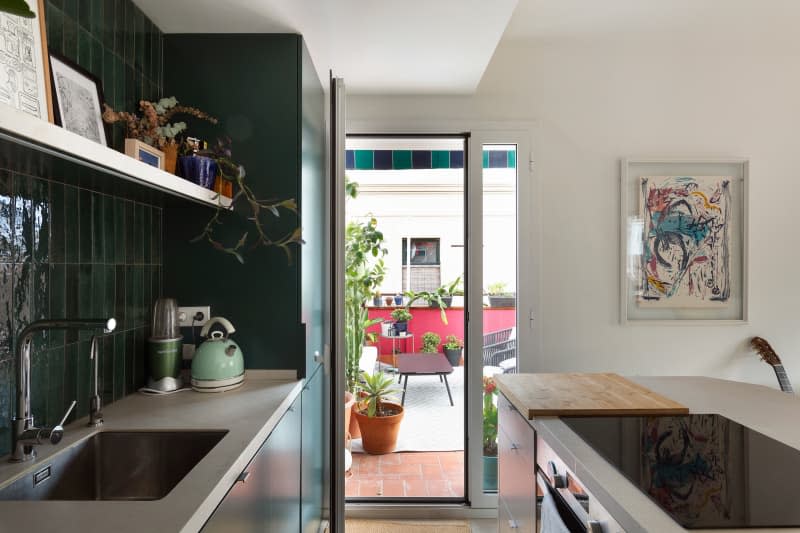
374 390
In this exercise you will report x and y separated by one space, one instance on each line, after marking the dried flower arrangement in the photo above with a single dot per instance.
154 127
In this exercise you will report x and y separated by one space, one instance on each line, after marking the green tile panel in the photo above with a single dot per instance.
439 159
63 254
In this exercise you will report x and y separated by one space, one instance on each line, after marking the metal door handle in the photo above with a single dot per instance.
512 524
243 476
514 446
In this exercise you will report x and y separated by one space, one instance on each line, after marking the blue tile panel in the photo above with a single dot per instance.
114 41
423 159
71 252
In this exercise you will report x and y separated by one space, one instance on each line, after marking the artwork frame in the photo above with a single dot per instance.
77 100
24 55
636 213
145 153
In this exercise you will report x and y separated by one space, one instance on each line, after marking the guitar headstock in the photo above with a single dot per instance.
765 351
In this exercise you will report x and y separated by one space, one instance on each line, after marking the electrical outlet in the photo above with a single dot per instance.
187 314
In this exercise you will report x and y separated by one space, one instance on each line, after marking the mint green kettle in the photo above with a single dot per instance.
218 364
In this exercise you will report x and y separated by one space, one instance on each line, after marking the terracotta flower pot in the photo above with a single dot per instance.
352 426
349 402
170 157
379 433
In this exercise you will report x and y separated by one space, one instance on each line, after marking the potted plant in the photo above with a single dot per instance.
398 299
364 272
388 300
377 301
401 317
499 296
378 418
489 434
442 297
430 342
452 350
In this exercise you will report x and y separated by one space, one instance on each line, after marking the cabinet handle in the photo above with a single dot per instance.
559 480
243 476
595 526
512 524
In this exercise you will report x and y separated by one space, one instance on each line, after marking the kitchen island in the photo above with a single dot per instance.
762 409
249 414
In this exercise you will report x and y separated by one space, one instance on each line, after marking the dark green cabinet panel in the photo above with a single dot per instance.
268 499
263 93
315 454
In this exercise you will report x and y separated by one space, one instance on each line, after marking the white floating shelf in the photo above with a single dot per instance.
38 132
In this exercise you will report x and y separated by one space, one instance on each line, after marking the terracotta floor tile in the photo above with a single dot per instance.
416 488
432 472
401 469
409 474
390 458
440 488
370 488
394 487
421 458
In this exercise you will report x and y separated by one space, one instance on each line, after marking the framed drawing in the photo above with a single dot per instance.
24 69
683 241
78 96
144 153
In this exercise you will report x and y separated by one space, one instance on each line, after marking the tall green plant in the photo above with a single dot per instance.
364 272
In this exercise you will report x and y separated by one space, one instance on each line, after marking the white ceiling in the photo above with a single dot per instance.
377 46
724 21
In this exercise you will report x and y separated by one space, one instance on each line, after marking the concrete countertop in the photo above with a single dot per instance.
769 411
249 413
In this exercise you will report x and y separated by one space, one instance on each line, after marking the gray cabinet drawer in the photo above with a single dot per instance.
511 518
516 429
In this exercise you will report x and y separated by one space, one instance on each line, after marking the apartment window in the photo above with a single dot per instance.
425 272
423 251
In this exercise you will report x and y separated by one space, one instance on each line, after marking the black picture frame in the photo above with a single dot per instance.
88 80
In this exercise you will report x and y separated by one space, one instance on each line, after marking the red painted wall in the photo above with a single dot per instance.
427 319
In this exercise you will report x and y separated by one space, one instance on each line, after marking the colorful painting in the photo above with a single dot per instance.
685 241
685 467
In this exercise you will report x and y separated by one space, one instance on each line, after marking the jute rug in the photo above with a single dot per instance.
406 526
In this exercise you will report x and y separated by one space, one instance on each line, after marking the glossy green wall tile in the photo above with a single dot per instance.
59 258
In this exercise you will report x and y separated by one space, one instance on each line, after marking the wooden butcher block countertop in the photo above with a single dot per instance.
576 394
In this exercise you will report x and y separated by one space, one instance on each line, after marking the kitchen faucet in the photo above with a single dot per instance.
24 434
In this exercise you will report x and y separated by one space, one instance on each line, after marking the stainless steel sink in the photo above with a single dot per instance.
116 465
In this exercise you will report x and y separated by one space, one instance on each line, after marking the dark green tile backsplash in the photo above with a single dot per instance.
116 42
54 264
72 252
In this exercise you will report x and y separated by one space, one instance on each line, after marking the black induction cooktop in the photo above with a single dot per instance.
704 470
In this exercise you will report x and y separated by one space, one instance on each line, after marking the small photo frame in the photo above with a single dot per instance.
144 153
77 100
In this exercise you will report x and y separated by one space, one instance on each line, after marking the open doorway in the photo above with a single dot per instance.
405 273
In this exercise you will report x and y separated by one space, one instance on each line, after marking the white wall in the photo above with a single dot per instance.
609 95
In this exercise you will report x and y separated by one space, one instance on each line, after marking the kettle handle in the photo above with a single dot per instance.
229 329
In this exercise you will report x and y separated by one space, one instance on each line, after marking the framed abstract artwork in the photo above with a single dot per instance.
683 241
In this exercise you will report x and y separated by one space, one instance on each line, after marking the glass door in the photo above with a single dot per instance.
500 229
